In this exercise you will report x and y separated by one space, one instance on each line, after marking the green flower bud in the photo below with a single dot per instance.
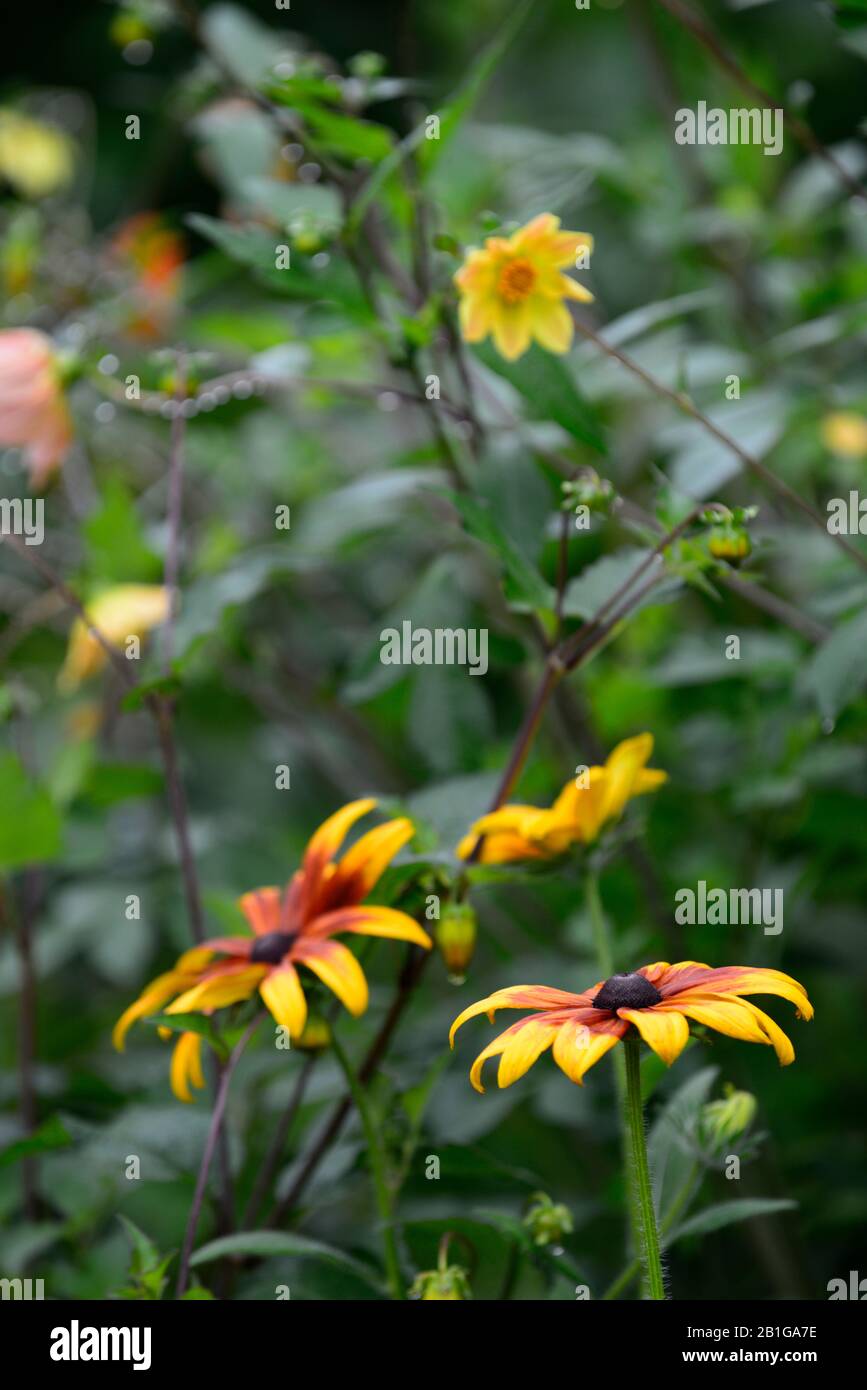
547 1222
315 1036
448 1284
588 490
455 935
727 1119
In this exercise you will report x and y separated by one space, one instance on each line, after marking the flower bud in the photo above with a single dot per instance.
455 936
547 1222
315 1036
588 490
729 543
726 1119
448 1284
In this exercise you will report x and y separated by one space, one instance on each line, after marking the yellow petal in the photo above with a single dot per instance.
186 1066
149 1001
527 1040
371 921
221 990
338 969
325 841
283 995
742 979
738 1018
364 864
577 1046
551 325
510 326
666 1032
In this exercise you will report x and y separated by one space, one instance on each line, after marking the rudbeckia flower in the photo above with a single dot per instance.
127 610
33 412
154 254
514 288
293 927
657 1000
577 816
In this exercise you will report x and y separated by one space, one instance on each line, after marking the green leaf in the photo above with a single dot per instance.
245 47
837 670
116 548
727 1213
589 591
192 1023
30 826
549 392
287 201
524 586
50 1135
480 73
671 1148
271 1244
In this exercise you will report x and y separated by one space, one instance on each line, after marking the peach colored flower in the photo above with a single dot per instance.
34 415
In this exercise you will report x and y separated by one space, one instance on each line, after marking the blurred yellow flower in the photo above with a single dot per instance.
845 432
514 287
584 806
35 158
127 610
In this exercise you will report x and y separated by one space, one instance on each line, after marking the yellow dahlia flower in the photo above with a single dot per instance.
844 432
577 816
657 1000
127 610
514 288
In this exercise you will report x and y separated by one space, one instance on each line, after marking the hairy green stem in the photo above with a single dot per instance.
626 1276
376 1158
646 1235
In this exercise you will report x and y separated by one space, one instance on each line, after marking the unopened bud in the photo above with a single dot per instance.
726 1119
455 935
547 1222
450 1283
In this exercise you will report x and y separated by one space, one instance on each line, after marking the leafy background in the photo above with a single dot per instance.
707 263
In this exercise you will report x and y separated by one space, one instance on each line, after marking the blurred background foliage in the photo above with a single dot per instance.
707 263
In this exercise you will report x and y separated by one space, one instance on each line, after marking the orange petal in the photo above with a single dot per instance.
149 1001
282 993
519 997
338 969
739 979
667 1032
518 1048
261 907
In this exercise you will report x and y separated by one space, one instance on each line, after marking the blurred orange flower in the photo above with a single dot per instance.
33 410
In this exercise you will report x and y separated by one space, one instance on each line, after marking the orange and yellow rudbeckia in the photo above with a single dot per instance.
514 287
290 927
578 815
657 1000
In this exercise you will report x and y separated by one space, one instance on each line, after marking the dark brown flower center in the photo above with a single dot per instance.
272 947
627 992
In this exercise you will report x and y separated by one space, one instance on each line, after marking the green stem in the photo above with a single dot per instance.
605 963
646 1235
376 1158
626 1276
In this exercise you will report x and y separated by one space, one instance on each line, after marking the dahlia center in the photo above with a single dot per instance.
271 948
627 992
517 278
